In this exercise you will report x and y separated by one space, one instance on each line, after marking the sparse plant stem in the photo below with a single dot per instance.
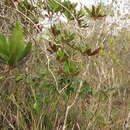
126 124
2 114
70 106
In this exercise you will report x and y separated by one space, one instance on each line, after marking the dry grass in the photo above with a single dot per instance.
36 102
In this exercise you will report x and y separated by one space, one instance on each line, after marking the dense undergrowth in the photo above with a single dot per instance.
76 76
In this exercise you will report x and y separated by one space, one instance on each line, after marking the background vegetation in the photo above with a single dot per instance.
72 76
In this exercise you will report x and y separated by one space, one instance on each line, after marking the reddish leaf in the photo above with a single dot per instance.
88 52
53 30
96 51
53 47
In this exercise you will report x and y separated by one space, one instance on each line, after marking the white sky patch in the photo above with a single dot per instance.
120 8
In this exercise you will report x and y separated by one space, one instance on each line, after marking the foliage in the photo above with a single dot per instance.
95 12
37 95
25 5
64 46
13 49
54 5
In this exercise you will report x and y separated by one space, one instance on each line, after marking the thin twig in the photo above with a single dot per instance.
70 106
16 9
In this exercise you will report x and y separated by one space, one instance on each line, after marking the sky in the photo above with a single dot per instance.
118 5
121 7
90 2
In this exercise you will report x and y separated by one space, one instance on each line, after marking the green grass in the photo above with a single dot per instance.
36 95
29 98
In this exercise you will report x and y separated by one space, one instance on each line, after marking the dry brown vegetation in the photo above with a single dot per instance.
39 95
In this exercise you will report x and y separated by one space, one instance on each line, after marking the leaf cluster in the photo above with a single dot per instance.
64 47
95 11
13 49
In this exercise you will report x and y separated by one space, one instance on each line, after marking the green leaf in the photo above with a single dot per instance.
14 48
60 53
68 15
26 5
12 59
69 90
54 6
69 9
98 9
69 5
93 11
4 47
16 44
25 51
88 11
86 90
3 58
70 67
19 78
